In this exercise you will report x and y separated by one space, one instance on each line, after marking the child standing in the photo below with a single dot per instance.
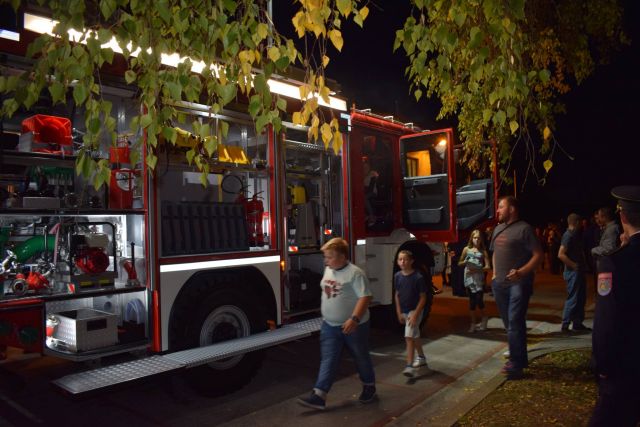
411 298
475 260
345 312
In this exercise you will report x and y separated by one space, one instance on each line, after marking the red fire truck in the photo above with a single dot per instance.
203 278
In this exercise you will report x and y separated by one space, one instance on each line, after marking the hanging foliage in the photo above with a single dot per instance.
501 65
498 65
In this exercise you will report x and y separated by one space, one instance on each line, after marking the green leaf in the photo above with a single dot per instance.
82 158
152 160
205 130
104 35
94 125
175 90
357 18
80 93
145 120
344 7
544 75
254 105
190 155
57 92
514 126
500 117
260 84
417 94
210 145
281 103
130 76
204 179
261 122
107 7
486 115
170 134
263 30
475 37
227 92
224 128
548 164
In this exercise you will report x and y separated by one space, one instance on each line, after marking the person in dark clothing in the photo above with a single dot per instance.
572 256
456 279
615 340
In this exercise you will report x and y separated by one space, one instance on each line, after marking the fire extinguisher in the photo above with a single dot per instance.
122 177
254 209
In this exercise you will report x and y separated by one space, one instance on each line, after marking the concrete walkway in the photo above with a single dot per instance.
463 368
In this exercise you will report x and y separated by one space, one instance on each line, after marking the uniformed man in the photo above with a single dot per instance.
616 341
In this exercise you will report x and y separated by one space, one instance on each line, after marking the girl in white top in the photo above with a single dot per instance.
475 260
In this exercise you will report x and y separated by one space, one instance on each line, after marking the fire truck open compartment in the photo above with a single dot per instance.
313 215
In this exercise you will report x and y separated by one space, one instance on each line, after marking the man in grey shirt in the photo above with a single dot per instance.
610 234
516 255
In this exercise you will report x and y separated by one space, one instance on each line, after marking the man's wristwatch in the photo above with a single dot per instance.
355 318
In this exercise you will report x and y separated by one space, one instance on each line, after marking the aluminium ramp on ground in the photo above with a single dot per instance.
128 372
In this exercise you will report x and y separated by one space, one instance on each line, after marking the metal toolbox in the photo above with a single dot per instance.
86 329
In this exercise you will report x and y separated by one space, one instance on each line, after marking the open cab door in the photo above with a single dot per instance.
428 185
476 202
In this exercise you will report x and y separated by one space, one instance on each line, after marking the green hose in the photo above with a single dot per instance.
33 246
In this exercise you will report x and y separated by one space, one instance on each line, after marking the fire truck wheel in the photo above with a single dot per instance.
223 316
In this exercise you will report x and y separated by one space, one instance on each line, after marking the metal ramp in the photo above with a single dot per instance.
127 372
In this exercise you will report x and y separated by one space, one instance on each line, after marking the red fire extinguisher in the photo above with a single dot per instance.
122 177
254 209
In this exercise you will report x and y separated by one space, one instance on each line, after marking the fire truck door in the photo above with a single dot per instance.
428 185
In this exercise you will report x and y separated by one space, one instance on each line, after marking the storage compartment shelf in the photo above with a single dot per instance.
36 159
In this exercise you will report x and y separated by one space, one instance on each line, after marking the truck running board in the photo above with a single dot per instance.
122 373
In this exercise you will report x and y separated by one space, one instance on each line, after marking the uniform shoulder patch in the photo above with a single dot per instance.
605 283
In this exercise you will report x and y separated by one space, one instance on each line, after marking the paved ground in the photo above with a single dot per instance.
464 368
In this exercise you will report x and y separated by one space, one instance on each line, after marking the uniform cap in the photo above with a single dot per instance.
628 196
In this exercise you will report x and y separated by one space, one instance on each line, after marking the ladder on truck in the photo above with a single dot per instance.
128 372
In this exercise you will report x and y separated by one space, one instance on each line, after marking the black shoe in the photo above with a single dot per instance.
368 394
564 328
313 401
581 327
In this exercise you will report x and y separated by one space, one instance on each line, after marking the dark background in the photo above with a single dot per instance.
598 129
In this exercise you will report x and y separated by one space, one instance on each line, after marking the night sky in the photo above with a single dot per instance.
598 129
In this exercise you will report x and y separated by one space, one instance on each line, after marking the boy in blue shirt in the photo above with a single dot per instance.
411 298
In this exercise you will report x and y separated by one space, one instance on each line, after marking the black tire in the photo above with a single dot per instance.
223 315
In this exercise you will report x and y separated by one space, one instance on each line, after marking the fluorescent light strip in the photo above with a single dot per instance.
10 35
218 263
41 25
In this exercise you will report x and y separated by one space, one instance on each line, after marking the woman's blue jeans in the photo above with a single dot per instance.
512 299
332 340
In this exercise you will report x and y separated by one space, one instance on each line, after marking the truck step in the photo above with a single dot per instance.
127 372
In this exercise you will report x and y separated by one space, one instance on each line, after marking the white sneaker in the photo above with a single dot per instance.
506 354
420 362
408 371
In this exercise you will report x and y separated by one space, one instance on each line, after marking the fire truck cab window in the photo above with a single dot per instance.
232 211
